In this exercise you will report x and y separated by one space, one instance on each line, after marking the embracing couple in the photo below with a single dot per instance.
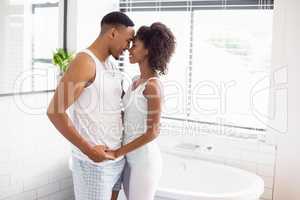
113 132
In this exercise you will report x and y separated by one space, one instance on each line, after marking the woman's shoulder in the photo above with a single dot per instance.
153 86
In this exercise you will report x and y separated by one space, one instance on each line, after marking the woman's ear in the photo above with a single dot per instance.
146 52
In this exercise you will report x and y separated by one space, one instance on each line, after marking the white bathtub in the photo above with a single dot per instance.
194 179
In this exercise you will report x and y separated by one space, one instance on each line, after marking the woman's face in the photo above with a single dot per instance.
137 53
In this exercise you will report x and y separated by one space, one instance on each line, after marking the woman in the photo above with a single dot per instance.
152 49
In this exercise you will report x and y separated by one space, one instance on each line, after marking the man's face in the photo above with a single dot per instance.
121 41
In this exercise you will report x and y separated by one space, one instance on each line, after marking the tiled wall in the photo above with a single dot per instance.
33 155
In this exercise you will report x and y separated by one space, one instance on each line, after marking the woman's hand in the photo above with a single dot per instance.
98 154
112 153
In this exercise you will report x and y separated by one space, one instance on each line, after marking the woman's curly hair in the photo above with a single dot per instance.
160 42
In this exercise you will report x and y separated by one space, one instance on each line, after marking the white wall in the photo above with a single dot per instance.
3 6
12 39
286 48
33 155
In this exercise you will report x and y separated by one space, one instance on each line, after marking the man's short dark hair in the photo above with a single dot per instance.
116 18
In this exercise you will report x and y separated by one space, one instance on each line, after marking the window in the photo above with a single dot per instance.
223 52
45 39
29 32
232 52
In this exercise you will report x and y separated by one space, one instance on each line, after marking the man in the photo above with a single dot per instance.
92 90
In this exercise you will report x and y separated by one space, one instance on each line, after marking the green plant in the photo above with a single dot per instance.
62 59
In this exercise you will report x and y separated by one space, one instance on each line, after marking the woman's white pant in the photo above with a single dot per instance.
142 173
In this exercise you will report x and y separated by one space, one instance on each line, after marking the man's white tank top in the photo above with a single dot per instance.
96 114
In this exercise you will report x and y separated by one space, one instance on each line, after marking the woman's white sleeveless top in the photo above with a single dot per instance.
96 114
135 123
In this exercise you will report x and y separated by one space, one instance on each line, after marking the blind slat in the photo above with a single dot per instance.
165 5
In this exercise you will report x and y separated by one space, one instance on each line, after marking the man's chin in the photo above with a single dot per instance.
116 57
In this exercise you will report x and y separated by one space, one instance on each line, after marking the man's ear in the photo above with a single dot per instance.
113 32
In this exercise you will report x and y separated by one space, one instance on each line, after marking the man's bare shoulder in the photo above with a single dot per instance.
82 68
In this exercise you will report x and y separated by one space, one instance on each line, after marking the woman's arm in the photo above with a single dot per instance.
153 94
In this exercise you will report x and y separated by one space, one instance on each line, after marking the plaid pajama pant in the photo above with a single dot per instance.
92 182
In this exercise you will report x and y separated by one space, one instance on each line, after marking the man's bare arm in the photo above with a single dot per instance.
80 71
